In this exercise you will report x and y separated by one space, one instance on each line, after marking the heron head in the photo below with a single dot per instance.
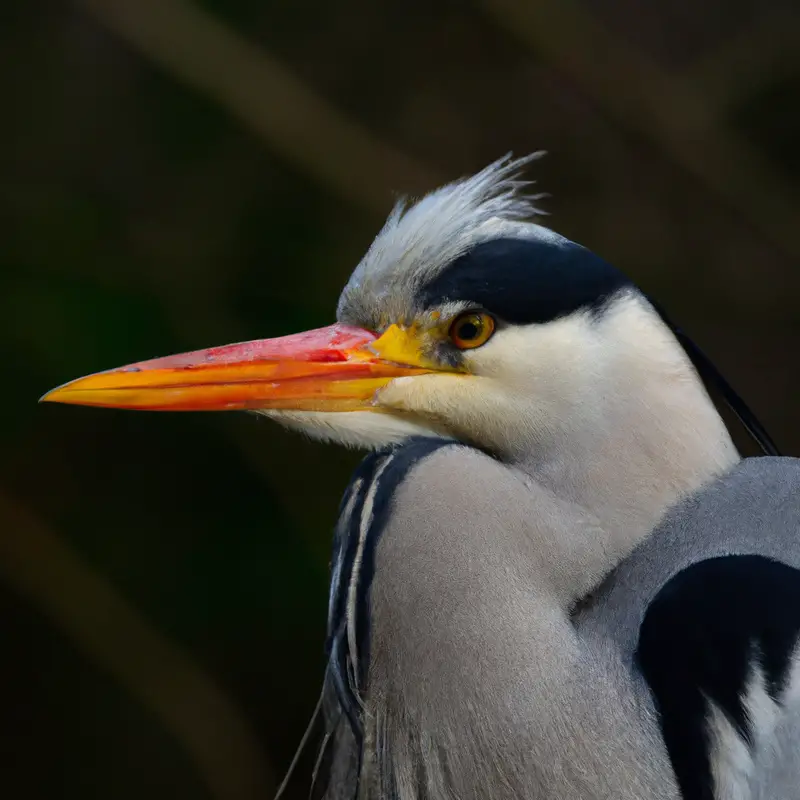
464 319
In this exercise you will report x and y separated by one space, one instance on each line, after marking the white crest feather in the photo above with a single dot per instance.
419 240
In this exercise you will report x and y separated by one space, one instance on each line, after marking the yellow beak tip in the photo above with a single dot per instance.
55 396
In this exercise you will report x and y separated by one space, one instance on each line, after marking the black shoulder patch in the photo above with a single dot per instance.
699 640
363 514
526 281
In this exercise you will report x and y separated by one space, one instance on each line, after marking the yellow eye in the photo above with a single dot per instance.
471 330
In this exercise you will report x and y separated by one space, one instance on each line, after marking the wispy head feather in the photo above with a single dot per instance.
419 240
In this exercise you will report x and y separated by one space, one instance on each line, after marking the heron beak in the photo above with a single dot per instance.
338 368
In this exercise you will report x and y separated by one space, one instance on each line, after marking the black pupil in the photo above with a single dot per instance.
469 330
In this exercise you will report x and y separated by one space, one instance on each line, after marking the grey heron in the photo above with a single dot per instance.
554 576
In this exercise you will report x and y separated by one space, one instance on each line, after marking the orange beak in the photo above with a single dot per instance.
330 369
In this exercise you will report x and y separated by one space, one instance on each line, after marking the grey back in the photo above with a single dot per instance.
752 510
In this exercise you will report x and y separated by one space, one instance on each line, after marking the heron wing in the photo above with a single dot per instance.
719 647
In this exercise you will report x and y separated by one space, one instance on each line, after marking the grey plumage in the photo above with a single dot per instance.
474 700
458 658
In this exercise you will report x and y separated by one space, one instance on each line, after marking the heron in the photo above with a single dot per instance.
553 575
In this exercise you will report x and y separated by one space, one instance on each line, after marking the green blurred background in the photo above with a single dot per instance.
179 174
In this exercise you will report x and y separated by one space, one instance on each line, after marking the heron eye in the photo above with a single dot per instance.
471 330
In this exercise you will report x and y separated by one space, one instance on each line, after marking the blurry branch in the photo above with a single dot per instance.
741 66
302 127
38 565
646 99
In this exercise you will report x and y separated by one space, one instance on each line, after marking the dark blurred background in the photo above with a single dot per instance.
179 174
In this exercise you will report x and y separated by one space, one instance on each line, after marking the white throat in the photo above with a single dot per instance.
648 434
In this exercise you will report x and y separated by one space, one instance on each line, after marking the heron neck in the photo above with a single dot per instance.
665 442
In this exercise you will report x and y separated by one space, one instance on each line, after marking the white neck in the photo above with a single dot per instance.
650 436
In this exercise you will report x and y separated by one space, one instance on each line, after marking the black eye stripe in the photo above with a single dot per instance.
524 280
